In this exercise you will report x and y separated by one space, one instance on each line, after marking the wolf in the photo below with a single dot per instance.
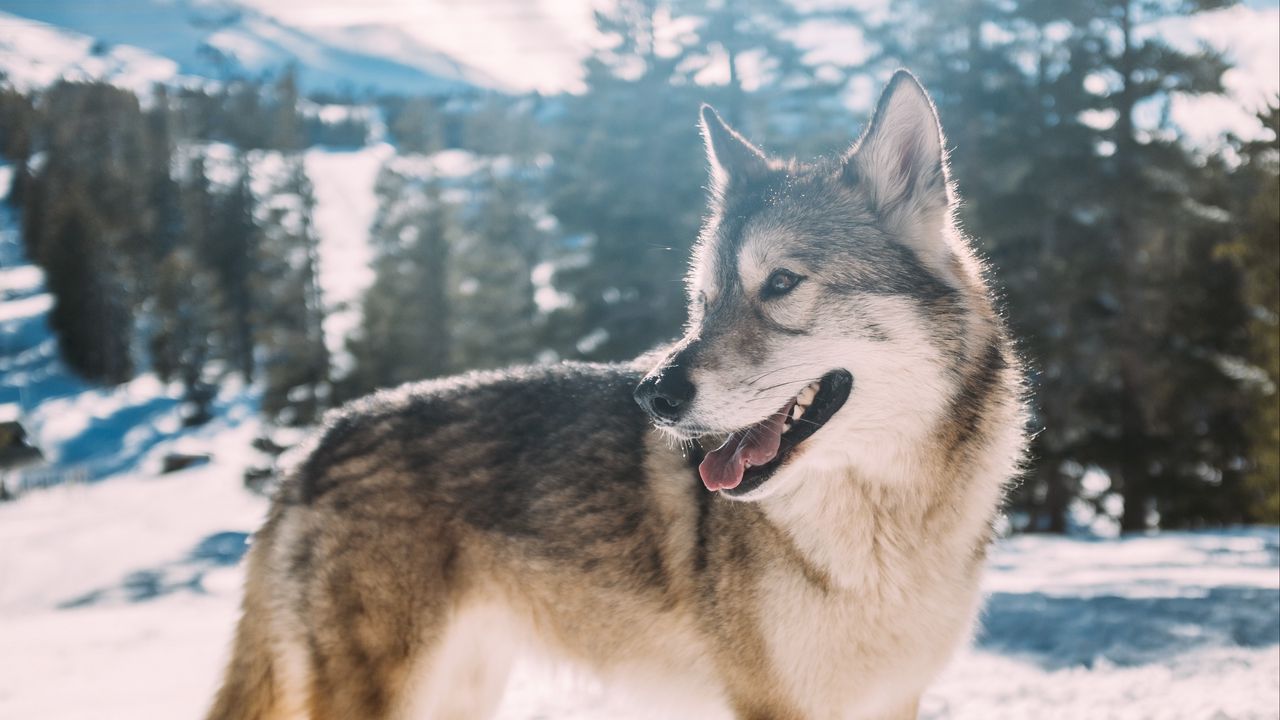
784 514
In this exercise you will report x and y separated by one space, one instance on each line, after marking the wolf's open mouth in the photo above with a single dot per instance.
750 456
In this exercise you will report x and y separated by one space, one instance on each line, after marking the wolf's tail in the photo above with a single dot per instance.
251 687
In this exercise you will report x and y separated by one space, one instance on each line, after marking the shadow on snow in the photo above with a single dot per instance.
219 550
1057 632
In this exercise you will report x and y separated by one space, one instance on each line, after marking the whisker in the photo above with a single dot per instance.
774 400
767 373
774 387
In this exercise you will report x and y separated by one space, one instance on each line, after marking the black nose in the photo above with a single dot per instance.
666 394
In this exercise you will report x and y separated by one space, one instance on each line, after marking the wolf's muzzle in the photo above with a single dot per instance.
665 393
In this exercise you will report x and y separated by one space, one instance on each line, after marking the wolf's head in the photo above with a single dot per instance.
832 305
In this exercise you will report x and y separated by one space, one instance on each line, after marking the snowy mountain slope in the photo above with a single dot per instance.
220 38
34 54
525 44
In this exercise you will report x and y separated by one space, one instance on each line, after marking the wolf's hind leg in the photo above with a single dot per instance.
373 606
359 671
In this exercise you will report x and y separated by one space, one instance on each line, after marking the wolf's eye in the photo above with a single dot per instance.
780 283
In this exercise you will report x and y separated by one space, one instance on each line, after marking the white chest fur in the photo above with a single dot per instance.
902 596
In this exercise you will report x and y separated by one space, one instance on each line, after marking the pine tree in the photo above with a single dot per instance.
84 223
498 125
1094 223
284 121
18 124
405 329
230 250
495 316
182 342
1148 224
417 126
626 184
182 301
746 56
1256 249
89 312
289 313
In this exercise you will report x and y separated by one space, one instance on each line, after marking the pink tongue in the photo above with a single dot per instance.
722 468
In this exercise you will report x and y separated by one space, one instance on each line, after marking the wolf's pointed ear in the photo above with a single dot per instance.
729 154
900 158
901 163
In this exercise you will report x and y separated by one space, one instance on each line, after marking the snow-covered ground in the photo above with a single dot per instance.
118 599
344 213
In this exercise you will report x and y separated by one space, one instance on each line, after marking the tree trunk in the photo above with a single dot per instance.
1057 498
1133 435
1133 462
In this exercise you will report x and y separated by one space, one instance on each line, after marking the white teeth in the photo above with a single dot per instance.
803 400
807 395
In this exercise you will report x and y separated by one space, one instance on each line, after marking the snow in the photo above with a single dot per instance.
343 183
1248 37
108 584
26 308
1236 684
23 279
120 597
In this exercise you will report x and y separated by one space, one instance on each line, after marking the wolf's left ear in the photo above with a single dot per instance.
730 155
901 163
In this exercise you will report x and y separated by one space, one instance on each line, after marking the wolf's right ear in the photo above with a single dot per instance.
901 162
730 155
901 157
